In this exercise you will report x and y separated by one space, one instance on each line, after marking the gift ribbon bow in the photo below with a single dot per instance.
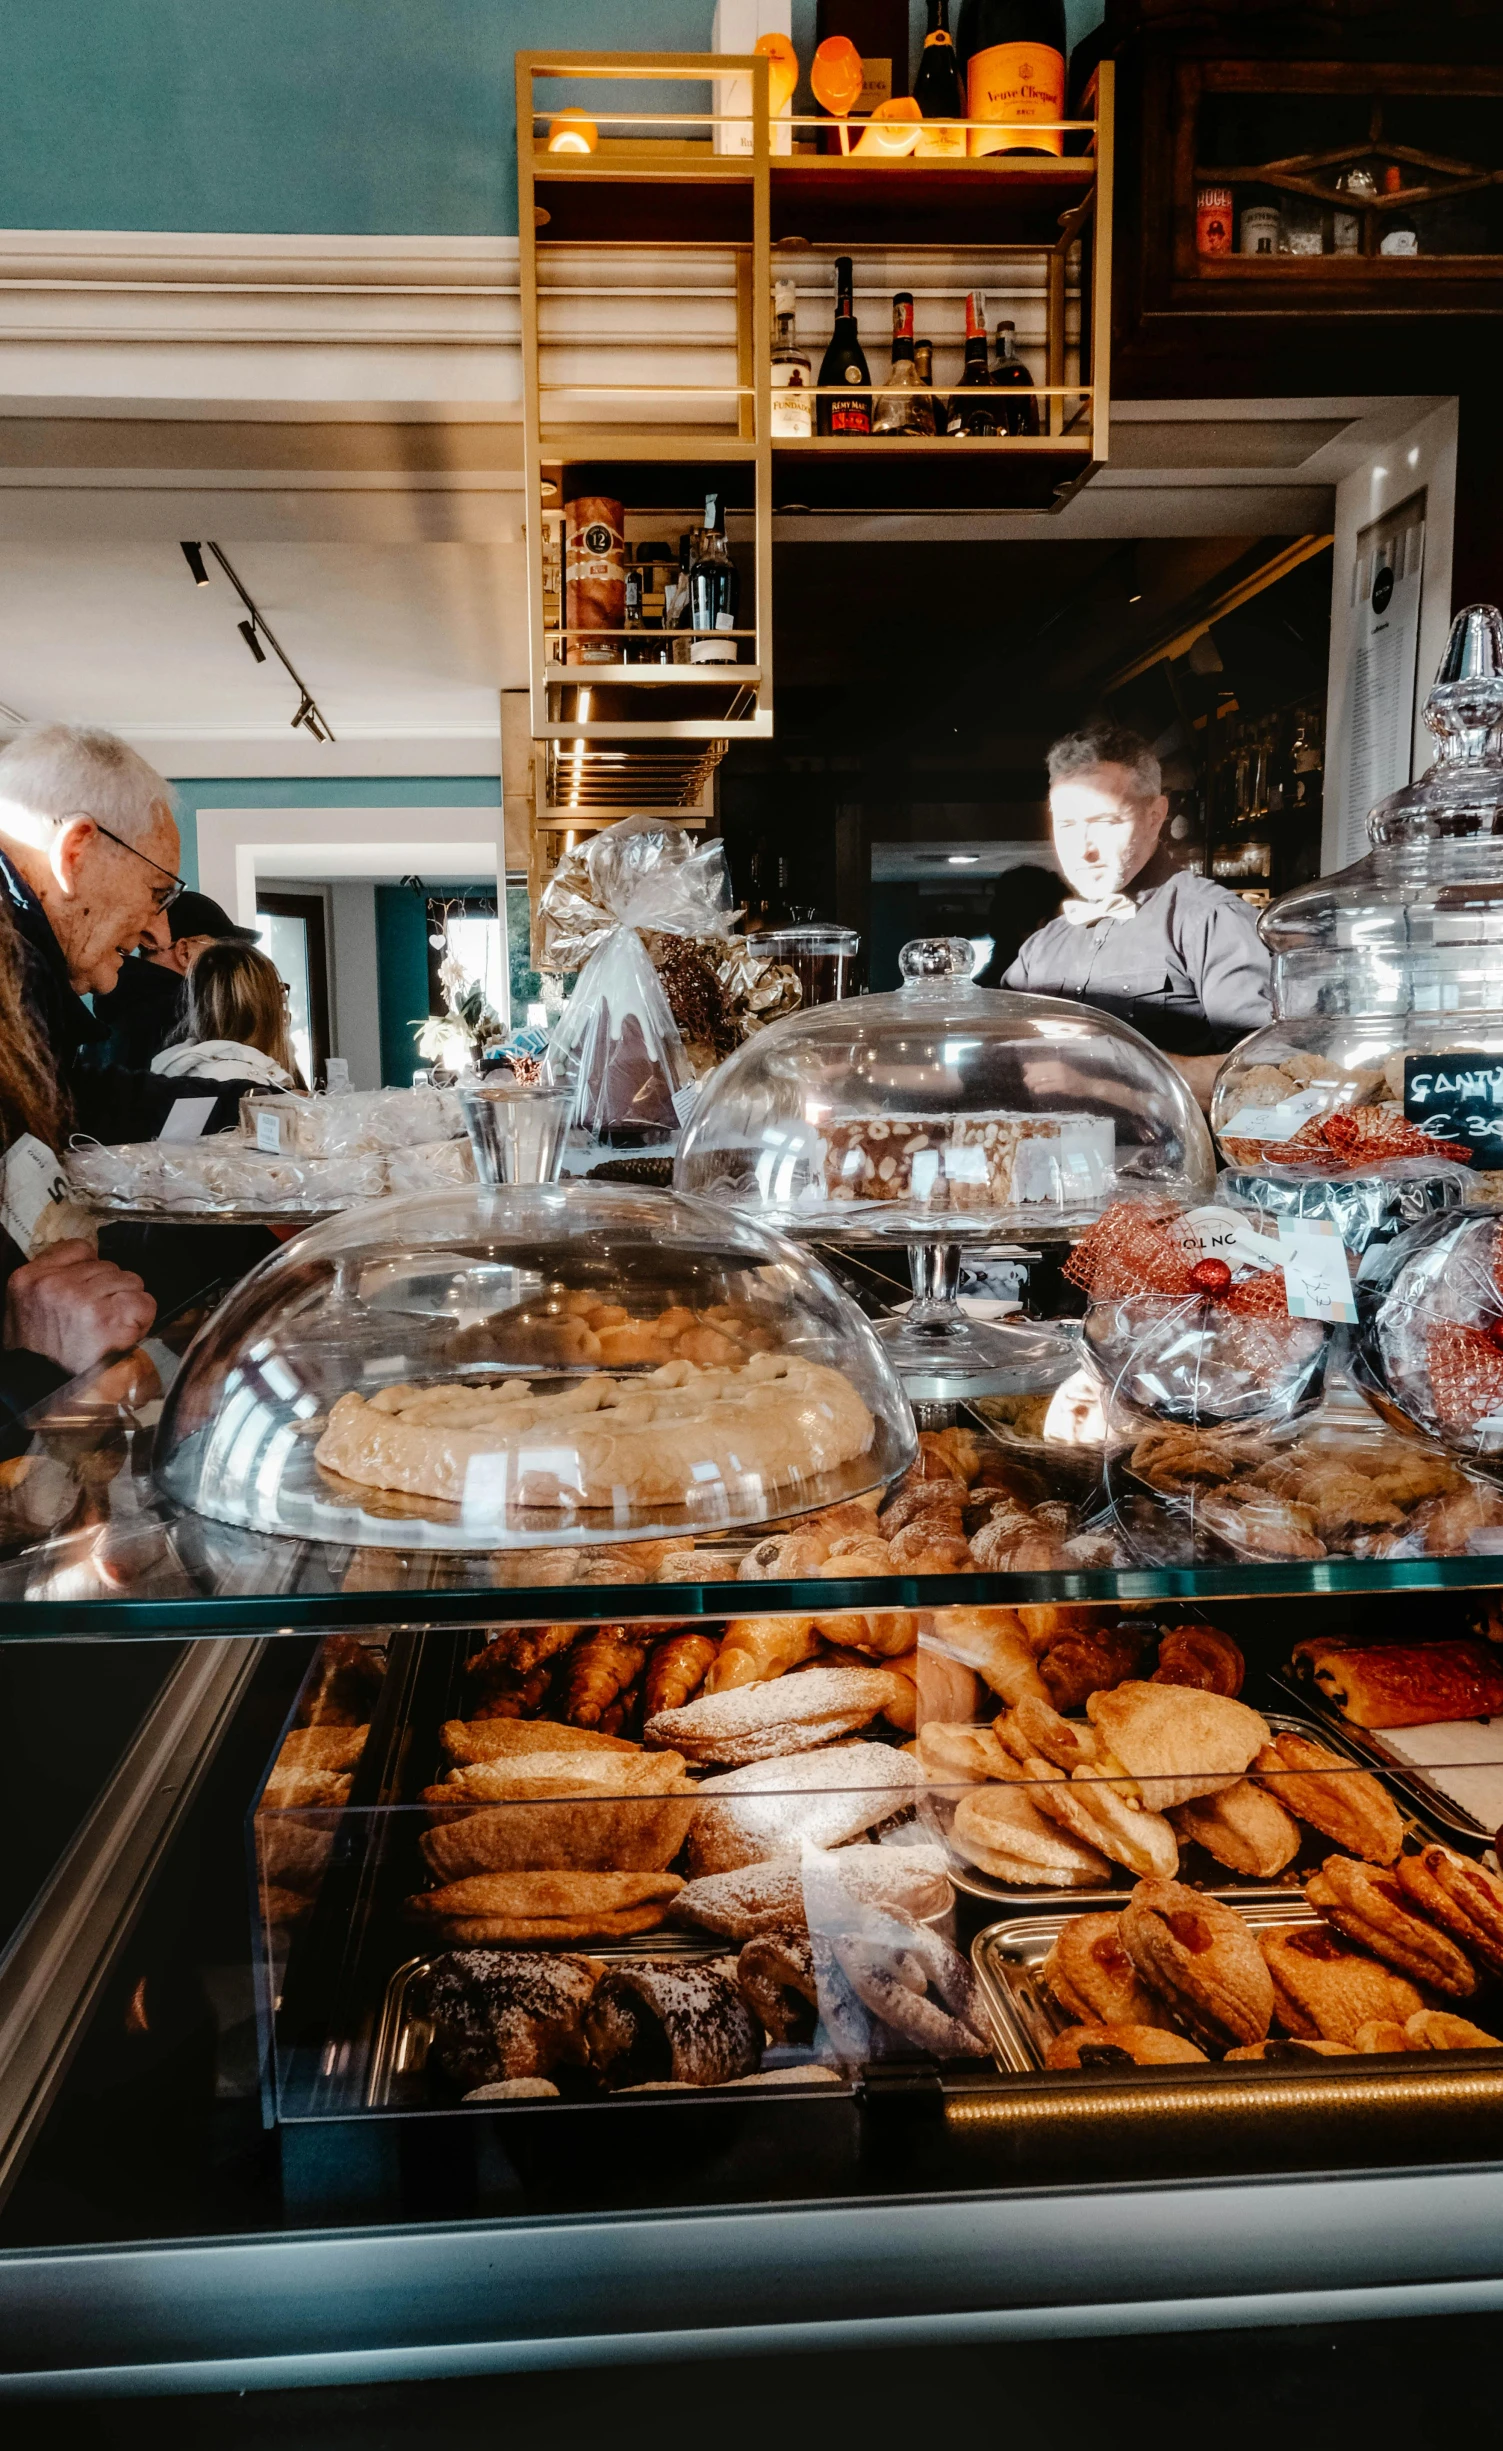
1362 1136
1131 1249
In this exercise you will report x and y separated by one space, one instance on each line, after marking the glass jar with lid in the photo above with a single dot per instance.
1388 977
940 1115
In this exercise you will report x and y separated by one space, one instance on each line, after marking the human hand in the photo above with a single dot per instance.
75 1308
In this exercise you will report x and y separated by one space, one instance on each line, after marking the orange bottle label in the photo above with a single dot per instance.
1020 84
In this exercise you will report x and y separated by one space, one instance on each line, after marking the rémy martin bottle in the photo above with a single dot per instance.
937 89
845 393
975 409
902 406
1013 56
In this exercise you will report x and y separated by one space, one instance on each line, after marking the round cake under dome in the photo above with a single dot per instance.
527 1366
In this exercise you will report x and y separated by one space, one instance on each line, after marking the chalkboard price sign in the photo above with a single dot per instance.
1458 1096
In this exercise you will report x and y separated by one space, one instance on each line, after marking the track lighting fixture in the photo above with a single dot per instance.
253 630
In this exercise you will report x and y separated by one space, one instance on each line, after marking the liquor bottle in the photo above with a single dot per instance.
792 371
633 651
714 592
937 88
1013 56
1010 374
923 358
975 408
676 596
901 405
845 384
879 30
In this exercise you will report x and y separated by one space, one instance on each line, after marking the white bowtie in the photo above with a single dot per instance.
1087 914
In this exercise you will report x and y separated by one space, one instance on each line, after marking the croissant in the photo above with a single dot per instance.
1200 1655
599 1671
757 1648
676 1670
881 1633
1084 1664
515 1650
515 1697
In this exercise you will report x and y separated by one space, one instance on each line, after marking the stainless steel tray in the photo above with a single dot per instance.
1022 2014
1425 1828
1366 1746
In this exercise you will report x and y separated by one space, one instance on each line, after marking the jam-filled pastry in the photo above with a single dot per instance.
1177 1742
1436 2029
1243 1827
1383 2034
1323 1987
1094 1980
775 1976
505 2013
1368 1905
657 2024
1201 1959
1321 1787
1289 2049
1118 2045
920 1988
1461 1897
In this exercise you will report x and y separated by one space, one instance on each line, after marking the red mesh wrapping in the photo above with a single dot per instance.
1131 1250
1363 1136
1466 1363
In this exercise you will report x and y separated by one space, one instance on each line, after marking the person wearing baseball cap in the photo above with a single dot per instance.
145 1007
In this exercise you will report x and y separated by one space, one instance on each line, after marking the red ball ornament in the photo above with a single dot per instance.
1210 1276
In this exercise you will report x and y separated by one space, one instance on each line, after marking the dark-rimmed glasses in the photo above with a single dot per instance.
165 895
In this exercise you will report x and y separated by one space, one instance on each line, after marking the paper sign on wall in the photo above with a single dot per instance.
1317 1275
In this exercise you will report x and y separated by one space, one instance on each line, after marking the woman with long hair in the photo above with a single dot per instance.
234 1026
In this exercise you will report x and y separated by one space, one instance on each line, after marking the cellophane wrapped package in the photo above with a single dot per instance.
221 1176
1369 1173
432 1162
354 1124
889 1986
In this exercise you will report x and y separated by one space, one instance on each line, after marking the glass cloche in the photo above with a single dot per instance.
939 1115
526 1366
1396 963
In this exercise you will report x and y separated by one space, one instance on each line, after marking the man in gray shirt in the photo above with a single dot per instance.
1182 961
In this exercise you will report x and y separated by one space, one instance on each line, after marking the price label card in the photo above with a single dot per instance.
1224 1234
1279 1122
337 1076
186 1118
1459 1097
30 1180
1317 1275
268 1132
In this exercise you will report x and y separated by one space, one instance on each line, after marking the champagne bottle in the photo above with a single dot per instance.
845 393
937 89
1013 56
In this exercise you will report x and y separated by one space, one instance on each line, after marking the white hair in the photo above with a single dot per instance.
60 770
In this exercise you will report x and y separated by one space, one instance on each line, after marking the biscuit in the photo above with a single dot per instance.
1105 2046
1094 1980
1461 1897
1243 1828
1322 1987
1321 1787
1369 1906
1199 1957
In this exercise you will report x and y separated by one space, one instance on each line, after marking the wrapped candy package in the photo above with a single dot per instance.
220 1177
356 1124
1429 1344
1192 1339
432 1163
1368 1173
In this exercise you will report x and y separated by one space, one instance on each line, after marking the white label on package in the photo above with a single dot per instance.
1221 1234
1276 1122
965 1165
268 1131
684 1100
337 1076
1317 1277
186 1118
30 1180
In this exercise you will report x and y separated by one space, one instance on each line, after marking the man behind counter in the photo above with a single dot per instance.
1182 960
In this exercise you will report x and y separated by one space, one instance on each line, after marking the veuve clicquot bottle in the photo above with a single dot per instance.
845 384
1012 54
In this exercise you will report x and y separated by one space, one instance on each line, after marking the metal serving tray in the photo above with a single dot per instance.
1201 1871
1366 1745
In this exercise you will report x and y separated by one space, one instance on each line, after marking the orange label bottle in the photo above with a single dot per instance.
1019 85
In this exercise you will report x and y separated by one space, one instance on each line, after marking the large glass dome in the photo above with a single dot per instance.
944 1111
509 1367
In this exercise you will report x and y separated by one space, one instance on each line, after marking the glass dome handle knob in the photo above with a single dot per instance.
937 957
1465 708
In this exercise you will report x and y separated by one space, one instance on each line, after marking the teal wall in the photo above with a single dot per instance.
299 115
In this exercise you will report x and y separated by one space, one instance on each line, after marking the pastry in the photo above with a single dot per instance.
1200 1655
768 1808
498 1740
1091 1806
757 1649
1036 1727
1460 1897
1094 1980
895 1976
1405 1685
1079 1665
755 1723
1322 1987
1292 2049
562 1812
547 1905
1435 2029
1243 1827
975 1162
1002 1832
676 1668
952 1755
775 1977
1322 1788
1368 1905
502 2014
280 1906
1183 1462
1118 2045
661 2023
600 1669
992 1641
513 1652
1384 2034
323 1748
287 1790
696 1566
1177 1743
1255 1525
1013 1541
769 1897
679 1434
1201 1959
878 1634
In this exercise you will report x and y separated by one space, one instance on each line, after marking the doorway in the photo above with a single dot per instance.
293 935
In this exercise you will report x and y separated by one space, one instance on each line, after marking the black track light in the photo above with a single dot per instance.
193 555
253 629
247 630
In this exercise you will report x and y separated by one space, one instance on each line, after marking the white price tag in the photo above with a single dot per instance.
268 1131
337 1076
1279 1122
1317 1276
1224 1234
30 1180
684 1100
186 1118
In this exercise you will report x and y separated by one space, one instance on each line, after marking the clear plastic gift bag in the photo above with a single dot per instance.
641 874
890 1985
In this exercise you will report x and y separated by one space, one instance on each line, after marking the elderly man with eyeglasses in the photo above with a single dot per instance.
88 870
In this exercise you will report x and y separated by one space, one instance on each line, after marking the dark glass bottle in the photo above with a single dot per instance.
938 90
714 592
1010 374
902 407
845 384
1013 55
632 649
975 409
